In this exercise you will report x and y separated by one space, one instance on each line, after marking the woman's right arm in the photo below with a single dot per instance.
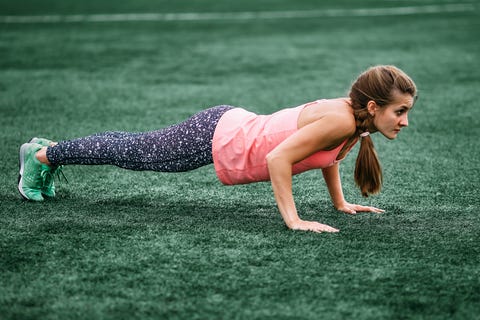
281 178
319 135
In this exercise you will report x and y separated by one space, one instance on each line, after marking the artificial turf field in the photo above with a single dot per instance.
118 244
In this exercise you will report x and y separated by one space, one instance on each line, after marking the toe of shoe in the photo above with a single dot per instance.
30 194
48 193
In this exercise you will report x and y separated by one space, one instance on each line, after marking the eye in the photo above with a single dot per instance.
401 111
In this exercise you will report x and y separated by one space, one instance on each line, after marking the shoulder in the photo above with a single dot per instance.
334 114
343 118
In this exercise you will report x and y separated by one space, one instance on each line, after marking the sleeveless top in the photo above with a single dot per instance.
243 139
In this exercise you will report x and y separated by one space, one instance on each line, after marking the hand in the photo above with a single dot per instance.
312 226
354 208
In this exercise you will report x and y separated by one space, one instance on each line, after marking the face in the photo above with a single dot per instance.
390 119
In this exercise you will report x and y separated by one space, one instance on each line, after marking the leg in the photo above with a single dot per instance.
182 147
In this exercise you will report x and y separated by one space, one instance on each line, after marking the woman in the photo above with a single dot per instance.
245 147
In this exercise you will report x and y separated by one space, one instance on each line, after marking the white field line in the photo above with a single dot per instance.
250 15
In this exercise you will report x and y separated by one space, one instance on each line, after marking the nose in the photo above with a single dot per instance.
404 121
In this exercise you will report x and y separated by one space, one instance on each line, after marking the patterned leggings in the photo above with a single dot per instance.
182 147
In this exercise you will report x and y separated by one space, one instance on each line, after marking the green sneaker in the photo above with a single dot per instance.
30 179
42 141
48 188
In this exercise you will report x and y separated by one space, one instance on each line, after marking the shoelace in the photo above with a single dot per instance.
48 174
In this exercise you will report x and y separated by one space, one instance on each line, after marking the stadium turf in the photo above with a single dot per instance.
117 244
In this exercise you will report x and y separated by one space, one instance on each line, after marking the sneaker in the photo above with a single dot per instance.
30 179
48 188
42 141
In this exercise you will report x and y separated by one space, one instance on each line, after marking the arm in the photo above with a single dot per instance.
281 178
334 185
319 135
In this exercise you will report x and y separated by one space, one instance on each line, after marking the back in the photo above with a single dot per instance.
242 140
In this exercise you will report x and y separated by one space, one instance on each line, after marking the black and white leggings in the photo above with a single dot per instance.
181 147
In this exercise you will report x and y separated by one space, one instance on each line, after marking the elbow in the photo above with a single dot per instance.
277 162
271 158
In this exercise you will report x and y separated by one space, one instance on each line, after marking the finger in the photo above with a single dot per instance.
376 210
324 229
317 227
369 209
321 231
328 229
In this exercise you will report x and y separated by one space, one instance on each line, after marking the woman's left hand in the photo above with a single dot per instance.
354 208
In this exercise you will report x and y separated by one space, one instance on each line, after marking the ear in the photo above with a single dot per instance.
372 107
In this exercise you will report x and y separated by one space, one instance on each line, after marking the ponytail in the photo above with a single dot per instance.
368 171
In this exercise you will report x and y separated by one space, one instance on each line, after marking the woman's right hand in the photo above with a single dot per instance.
312 226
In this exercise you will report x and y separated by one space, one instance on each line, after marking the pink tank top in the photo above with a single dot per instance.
243 139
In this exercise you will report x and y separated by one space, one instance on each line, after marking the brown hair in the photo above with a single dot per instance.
378 84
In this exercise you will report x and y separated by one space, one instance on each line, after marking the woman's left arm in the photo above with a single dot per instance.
334 185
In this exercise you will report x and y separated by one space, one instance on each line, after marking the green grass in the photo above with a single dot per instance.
118 244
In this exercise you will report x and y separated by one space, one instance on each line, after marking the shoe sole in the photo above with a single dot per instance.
21 161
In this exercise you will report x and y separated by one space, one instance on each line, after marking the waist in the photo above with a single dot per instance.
243 139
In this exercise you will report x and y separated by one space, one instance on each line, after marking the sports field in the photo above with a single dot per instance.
118 244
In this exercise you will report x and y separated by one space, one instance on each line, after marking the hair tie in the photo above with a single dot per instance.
364 134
